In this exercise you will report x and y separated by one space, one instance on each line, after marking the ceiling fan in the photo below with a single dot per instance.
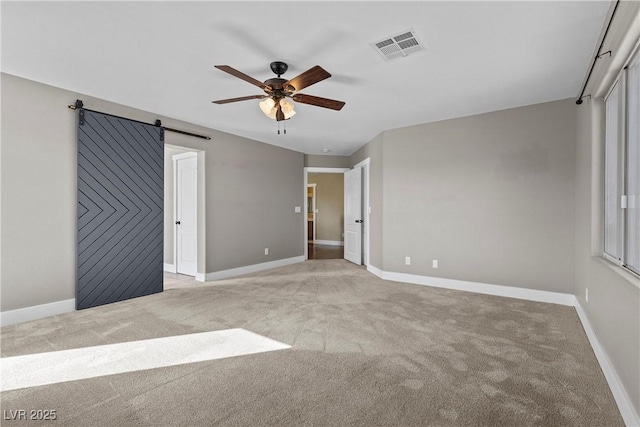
275 104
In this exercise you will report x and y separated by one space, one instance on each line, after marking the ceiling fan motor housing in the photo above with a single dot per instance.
277 88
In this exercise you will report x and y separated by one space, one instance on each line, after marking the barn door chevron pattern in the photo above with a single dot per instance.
120 209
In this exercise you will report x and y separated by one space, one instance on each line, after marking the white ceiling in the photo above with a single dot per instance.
160 57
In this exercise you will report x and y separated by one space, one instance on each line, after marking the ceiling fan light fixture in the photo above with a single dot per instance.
287 109
267 106
287 106
272 113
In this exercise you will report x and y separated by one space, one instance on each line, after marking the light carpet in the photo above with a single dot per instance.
364 352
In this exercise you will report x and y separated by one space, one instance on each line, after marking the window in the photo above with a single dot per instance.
622 168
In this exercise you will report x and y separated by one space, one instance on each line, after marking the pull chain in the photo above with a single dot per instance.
284 130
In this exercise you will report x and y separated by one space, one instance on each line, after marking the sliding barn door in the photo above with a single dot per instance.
120 209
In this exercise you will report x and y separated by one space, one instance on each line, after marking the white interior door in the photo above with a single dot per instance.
186 169
353 215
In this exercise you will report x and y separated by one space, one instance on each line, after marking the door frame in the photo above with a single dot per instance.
365 204
366 208
313 207
175 158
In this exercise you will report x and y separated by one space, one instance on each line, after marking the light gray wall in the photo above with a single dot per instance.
614 297
38 167
329 204
373 151
251 191
489 196
613 308
317 161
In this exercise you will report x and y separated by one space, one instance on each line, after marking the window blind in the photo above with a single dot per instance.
612 181
632 258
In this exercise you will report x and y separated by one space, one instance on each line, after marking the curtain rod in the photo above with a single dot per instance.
78 104
598 54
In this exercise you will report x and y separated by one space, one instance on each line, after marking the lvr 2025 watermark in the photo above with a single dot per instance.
29 414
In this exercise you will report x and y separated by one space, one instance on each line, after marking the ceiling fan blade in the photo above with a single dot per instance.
242 98
242 76
279 114
318 102
309 77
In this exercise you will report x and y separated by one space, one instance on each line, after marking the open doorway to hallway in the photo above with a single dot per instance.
355 210
325 215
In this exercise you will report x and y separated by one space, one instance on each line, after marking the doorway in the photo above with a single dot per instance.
184 214
325 216
364 256
311 212
324 213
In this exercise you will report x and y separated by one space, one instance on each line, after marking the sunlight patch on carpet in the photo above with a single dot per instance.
89 362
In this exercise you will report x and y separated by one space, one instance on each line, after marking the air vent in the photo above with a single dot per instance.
399 45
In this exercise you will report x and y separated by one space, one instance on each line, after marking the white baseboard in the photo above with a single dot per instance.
480 288
375 270
171 268
201 277
629 415
328 242
233 272
35 312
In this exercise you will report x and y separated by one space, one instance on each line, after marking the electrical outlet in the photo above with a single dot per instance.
407 260
434 263
298 209
586 294
266 251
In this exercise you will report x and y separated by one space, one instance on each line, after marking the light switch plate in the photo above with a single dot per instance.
298 209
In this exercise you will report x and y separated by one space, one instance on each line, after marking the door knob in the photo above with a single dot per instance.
177 222
358 221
